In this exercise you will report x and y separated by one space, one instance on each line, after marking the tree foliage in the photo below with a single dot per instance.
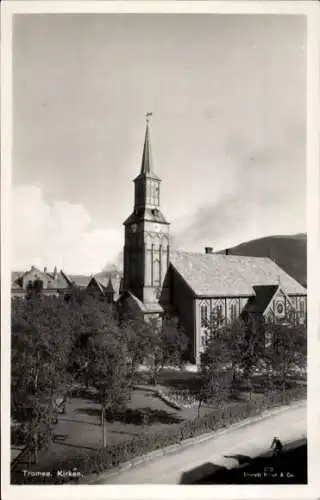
108 370
171 344
244 346
287 350
39 350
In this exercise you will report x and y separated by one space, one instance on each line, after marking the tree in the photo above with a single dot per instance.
288 350
141 341
170 346
39 348
108 370
215 359
252 347
88 316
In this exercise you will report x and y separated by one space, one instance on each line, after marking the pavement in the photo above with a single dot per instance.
251 440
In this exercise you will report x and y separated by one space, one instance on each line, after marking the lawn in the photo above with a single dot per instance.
79 429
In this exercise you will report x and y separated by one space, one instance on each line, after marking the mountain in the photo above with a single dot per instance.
288 251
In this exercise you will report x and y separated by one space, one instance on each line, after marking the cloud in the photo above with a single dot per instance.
267 197
58 234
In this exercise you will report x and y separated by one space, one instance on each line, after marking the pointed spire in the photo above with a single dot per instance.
146 165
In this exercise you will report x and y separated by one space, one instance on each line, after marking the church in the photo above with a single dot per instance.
194 286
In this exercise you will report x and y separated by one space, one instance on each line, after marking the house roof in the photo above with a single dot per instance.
80 280
231 275
113 282
57 280
15 275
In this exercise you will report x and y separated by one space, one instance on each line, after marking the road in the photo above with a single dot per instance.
251 440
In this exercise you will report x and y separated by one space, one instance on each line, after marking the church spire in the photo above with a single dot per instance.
146 165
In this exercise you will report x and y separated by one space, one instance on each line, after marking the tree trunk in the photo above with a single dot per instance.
103 424
199 406
36 451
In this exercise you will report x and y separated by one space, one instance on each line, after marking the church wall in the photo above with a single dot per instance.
300 304
207 308
182 298
280 308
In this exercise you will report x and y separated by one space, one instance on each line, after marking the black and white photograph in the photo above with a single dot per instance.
157 262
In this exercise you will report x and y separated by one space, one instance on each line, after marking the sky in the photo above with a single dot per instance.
228 96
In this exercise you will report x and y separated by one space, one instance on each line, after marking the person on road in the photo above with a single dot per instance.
277 445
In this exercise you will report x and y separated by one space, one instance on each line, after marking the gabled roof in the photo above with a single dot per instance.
262 298
231 275
80 280
15 276
106 284
57 280
144 307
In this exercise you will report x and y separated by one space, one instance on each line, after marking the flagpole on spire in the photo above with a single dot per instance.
148 116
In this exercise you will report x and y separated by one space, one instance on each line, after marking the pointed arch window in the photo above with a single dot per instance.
204 315
156 272
233 312
157 194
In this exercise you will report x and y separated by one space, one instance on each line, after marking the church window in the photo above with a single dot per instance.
268 339
204 315
216 315
233 312
203 342
302 311
157 195
156 272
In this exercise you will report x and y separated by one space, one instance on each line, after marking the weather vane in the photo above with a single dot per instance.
148 115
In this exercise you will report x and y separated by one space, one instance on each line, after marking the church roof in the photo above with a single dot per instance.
146 214
262 298
231 275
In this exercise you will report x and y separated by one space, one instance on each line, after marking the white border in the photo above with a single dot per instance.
311 10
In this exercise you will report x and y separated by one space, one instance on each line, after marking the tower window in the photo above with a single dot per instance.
156 272
157 194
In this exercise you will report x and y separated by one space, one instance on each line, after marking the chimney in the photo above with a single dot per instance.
55 271
44 269
208 250
226 251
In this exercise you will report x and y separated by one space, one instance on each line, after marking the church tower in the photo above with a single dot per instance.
146 248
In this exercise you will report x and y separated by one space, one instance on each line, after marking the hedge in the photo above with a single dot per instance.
114 455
